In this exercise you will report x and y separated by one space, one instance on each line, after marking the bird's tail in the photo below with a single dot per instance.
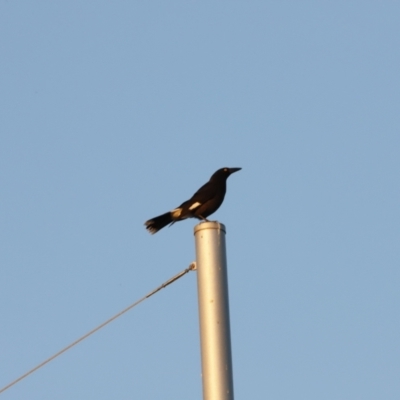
155 224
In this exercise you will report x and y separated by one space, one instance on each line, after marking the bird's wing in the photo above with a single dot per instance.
204 194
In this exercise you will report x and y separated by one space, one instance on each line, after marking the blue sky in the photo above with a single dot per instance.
112 113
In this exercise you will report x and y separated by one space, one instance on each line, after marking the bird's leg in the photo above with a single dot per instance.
202 218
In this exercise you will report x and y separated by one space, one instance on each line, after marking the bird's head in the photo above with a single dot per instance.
224 173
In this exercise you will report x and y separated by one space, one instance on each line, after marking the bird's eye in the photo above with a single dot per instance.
225 169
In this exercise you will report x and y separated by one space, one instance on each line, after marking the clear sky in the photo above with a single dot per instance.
114 112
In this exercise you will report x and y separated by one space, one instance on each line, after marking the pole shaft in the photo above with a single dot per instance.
212 286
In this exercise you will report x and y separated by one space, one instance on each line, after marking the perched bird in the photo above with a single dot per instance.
203 203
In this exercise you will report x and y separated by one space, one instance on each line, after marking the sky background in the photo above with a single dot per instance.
114 112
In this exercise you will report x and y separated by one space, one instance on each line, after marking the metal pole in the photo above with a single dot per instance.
212 286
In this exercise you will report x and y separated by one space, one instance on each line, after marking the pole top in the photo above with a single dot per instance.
209 225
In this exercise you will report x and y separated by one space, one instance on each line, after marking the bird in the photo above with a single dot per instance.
203 203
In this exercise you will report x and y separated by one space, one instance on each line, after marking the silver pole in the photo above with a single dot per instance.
212 286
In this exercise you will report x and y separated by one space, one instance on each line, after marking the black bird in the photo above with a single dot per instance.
203 203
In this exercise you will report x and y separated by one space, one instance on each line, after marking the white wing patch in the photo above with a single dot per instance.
194 205
176 213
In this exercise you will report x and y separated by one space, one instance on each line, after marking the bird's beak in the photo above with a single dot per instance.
232 170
